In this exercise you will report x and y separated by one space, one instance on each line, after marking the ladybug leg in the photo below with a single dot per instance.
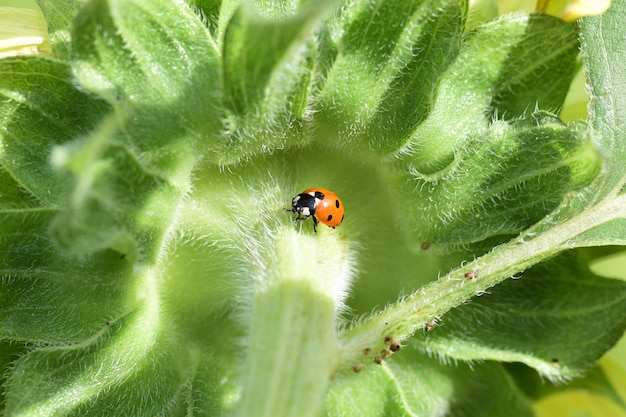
314 223
299 217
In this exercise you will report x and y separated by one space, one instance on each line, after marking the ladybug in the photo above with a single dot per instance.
320 204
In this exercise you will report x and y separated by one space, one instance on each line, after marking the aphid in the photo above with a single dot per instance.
470 275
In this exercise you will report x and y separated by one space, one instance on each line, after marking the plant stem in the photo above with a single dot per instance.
372 339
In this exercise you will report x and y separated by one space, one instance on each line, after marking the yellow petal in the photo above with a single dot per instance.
580 8
570 10
23 32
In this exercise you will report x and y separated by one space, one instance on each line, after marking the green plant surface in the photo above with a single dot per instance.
150 264
19 3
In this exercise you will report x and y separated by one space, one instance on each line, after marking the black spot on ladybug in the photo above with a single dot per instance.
337 204
329 218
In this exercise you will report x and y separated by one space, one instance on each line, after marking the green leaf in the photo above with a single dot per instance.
602 45
148 149
12 195
41 108
594 380
217 14
59 15
534 162
145 59
414 384
126 371
557 318
488 80
44 295
114 200
539 69
211 11
389 58
600 208
267 80
9 353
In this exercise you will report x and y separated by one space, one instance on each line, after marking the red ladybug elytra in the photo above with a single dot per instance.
320 204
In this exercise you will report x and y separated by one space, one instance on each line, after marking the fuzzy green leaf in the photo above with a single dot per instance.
148 149
41 108
533 162
594 380
213 11
59 15
147 58
414 384
267 79
602 44
595 216
113 201
488 80
539 68
9 352
127 369
389 58
12 196
44 295
558 318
